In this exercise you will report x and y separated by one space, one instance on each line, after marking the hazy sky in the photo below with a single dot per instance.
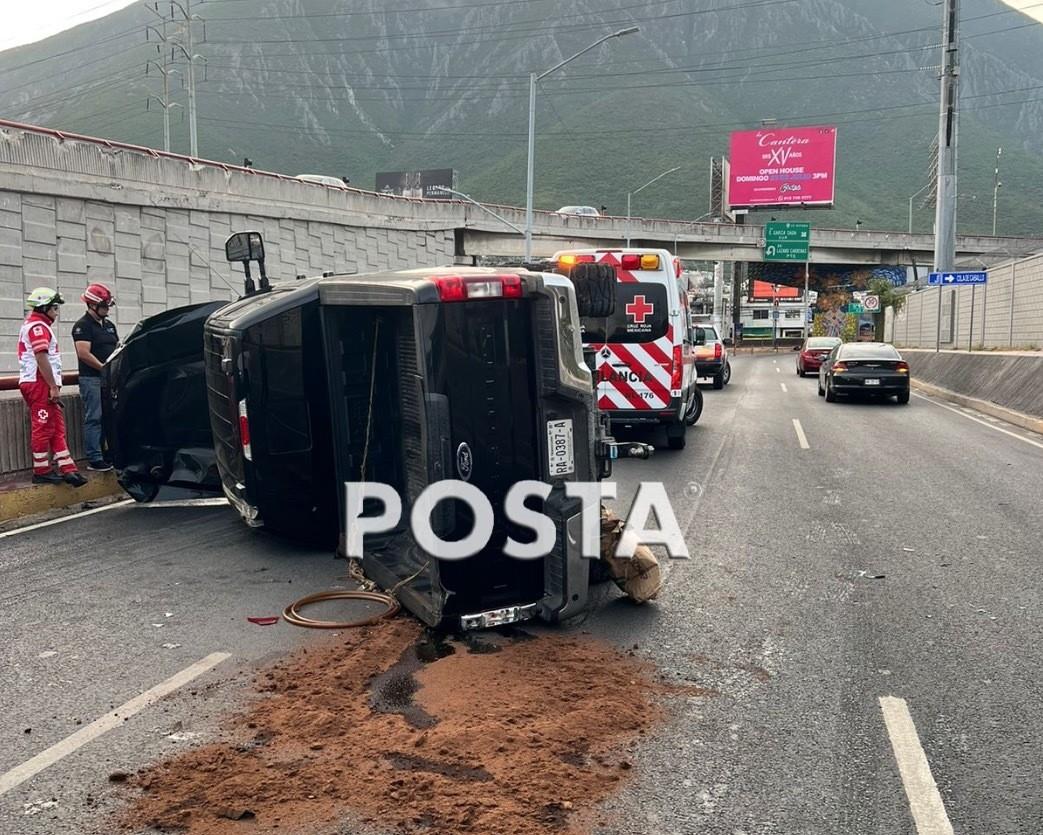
30 20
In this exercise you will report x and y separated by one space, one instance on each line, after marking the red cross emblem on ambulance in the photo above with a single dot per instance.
638 309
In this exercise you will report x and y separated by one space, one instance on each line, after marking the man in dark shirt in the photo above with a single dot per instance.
96 338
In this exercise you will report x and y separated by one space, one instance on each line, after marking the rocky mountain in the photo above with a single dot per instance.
319 86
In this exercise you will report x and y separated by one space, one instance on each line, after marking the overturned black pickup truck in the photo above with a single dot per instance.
405 378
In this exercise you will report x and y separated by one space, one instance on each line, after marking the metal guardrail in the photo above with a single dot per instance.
10 383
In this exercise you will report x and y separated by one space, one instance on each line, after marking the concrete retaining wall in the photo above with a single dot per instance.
1007 312
153 228
1012 381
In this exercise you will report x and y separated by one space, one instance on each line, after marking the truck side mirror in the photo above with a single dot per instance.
727 342
245 247
595 289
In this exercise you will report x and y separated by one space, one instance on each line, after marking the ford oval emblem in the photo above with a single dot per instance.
464 462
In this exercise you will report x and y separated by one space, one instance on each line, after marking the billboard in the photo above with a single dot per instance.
765 291
776 166
417 183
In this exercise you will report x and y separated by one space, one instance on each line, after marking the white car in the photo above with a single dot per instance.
585 211
321 179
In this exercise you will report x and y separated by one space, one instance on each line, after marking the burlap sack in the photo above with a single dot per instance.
637 576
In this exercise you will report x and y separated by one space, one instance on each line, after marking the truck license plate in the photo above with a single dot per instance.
873 382
559 447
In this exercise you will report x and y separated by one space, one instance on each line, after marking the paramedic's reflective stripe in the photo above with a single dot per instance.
27 369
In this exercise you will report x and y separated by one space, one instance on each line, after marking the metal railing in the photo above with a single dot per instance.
10 383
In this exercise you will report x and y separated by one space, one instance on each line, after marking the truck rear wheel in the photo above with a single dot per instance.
675 434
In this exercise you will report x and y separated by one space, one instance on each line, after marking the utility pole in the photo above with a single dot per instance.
164 101
996 190
163 67
945 209
184 41
775 317
807 303
718 297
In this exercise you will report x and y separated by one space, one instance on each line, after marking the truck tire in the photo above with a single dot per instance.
727 373
903 397
718 380
675 434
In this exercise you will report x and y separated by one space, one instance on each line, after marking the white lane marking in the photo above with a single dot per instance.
784 387
924 800
61 519
778 370
979 420
114 719
800 434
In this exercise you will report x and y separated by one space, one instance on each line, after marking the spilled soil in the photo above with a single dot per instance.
397 732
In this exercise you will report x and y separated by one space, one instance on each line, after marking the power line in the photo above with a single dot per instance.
428 10
139 29
553 28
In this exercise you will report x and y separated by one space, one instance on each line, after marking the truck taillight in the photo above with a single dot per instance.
718 350
244 431
677 372
454 288
902 368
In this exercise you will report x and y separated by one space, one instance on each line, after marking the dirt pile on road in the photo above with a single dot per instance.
385 728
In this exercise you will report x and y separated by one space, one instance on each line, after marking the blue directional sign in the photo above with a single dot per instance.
953 279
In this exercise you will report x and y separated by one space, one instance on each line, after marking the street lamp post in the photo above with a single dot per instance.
469 199
646 185
996 190
911 199
533 78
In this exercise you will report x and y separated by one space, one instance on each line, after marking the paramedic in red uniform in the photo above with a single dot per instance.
40 379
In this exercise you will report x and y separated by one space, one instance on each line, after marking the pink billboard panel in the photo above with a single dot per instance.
777 166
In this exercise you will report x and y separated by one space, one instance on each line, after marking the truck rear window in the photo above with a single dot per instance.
641 315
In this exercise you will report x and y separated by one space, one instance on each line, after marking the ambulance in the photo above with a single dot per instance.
645 351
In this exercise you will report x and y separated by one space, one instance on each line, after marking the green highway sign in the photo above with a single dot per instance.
854 308
786 241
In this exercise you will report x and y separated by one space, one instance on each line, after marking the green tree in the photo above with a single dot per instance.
849 331
885 290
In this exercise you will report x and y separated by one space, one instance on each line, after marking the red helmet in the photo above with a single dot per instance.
98 294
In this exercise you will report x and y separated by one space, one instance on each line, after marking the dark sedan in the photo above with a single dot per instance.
813 351
867 368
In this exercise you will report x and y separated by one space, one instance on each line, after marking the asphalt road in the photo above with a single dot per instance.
897 555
